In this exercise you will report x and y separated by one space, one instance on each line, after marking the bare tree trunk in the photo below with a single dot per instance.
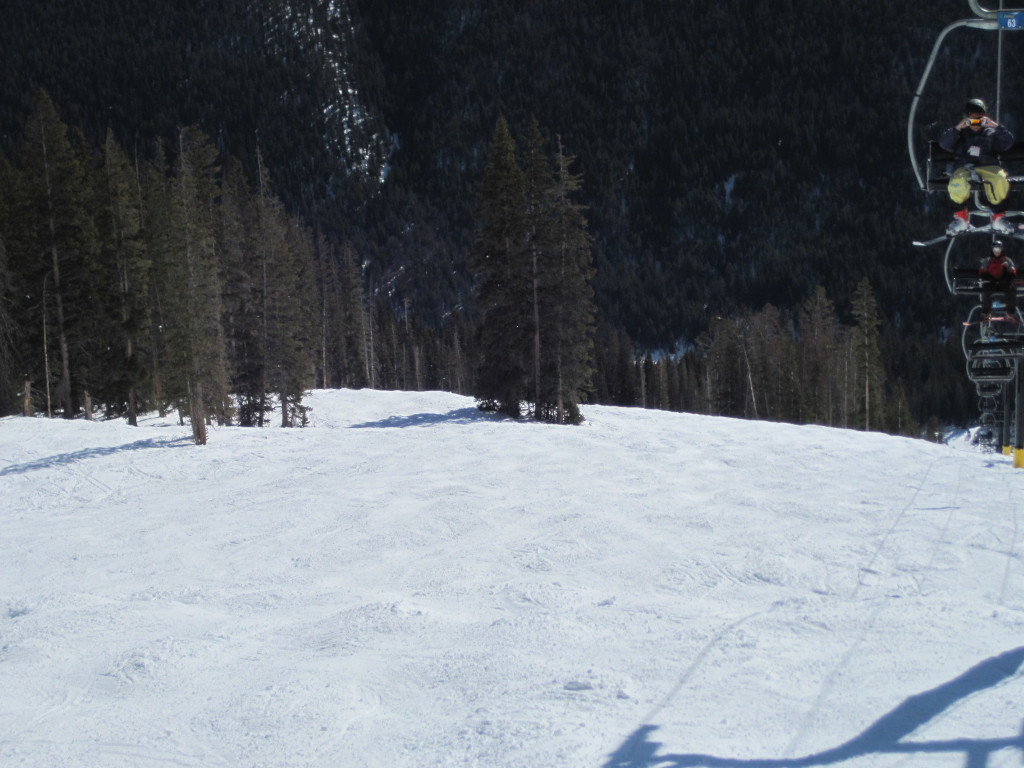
368 357
750 378
323 341
458 364
536 338
64 388
867 390
197 412
643 381
46 354
28 398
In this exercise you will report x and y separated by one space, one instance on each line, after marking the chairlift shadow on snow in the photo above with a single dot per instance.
63 459
884 737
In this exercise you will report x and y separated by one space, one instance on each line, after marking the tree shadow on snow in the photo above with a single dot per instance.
91 453
458 416
882 737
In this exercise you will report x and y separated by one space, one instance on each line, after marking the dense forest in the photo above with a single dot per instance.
743 173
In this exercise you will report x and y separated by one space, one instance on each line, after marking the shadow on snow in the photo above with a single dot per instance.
458 416
62 459
882 737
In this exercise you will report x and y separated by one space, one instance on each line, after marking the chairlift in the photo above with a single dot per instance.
999 370
993 349
1001 20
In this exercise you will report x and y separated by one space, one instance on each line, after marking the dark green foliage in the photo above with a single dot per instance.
8 346
532 260
149 283
501 263
121 297
53 239
242 291
736 155
196 374
867 365
567 307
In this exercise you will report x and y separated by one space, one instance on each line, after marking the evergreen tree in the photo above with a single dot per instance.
285 261
162 219
122 287
772 364
569 310
7 346
500 262
868 359
238 254
816 352
195 338
55 239
726 387
357 345
540 248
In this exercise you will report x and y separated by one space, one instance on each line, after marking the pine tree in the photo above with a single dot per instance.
285 264
7 348
569 299
500 263
357 348
238 256
725 386
868 359
161 220
773 361
123 285
54 237
192 307
818 333
540 247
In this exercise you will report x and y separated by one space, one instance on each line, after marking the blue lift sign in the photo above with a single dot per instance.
1011 19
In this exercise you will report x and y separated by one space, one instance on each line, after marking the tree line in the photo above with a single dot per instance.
176 281
166 282
803 368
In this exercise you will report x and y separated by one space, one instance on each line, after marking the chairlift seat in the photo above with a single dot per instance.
967 281
991 369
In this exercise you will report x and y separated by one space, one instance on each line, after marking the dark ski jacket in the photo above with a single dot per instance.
976 148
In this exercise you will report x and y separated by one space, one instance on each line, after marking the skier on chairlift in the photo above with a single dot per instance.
975 143
997 274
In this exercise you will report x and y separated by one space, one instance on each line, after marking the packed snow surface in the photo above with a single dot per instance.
409 582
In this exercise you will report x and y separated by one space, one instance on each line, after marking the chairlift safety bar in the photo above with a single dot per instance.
986 13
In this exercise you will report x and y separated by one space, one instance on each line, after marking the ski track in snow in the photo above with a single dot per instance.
408 582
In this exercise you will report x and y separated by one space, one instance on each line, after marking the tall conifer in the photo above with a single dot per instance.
819 340
868 359
7 348
238 250
192 308
499 261
56 236
570 297
123 287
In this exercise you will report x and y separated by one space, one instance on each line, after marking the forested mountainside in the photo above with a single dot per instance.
733 154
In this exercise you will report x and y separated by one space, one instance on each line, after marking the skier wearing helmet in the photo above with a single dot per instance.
975 143
997 274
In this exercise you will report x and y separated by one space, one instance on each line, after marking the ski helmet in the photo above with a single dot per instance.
997 245
975 105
